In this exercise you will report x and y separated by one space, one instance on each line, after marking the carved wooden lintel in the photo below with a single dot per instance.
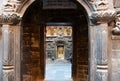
9 18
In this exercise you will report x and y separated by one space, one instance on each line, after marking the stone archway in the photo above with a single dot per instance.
98 34
39 22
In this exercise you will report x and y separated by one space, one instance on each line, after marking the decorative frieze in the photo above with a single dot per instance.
116 30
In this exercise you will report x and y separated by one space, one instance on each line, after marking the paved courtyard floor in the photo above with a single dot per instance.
58 71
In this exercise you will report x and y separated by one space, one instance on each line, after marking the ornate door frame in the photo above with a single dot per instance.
98 19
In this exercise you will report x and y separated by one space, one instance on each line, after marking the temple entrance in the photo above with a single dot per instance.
60 52
36 46
58 48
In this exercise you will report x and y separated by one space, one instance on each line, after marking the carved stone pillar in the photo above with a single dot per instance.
9 17
103 13
101 52
8 53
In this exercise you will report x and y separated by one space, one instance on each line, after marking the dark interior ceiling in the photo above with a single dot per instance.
36 14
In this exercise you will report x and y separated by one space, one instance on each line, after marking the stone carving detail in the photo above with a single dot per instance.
11 5
101 13
116 30
101 5
9 15
9 18
102 16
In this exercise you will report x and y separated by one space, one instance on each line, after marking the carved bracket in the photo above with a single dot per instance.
9 18
116 30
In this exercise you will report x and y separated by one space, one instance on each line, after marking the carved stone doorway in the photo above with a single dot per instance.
32 41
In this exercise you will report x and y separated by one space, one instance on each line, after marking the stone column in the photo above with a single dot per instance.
9 46
8 18
103 13
101 52
8 53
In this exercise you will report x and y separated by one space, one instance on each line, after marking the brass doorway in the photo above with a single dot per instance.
60 52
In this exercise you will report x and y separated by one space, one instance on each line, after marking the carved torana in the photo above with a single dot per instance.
116 30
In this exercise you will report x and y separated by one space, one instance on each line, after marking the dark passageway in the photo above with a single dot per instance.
33 43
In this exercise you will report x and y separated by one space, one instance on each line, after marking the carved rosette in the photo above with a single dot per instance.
98 17
9 18
116 30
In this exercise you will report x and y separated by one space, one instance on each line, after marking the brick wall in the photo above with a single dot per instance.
31 53
81 50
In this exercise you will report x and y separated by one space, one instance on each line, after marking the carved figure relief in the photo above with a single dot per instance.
60 31
116 30
55 30
47 30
